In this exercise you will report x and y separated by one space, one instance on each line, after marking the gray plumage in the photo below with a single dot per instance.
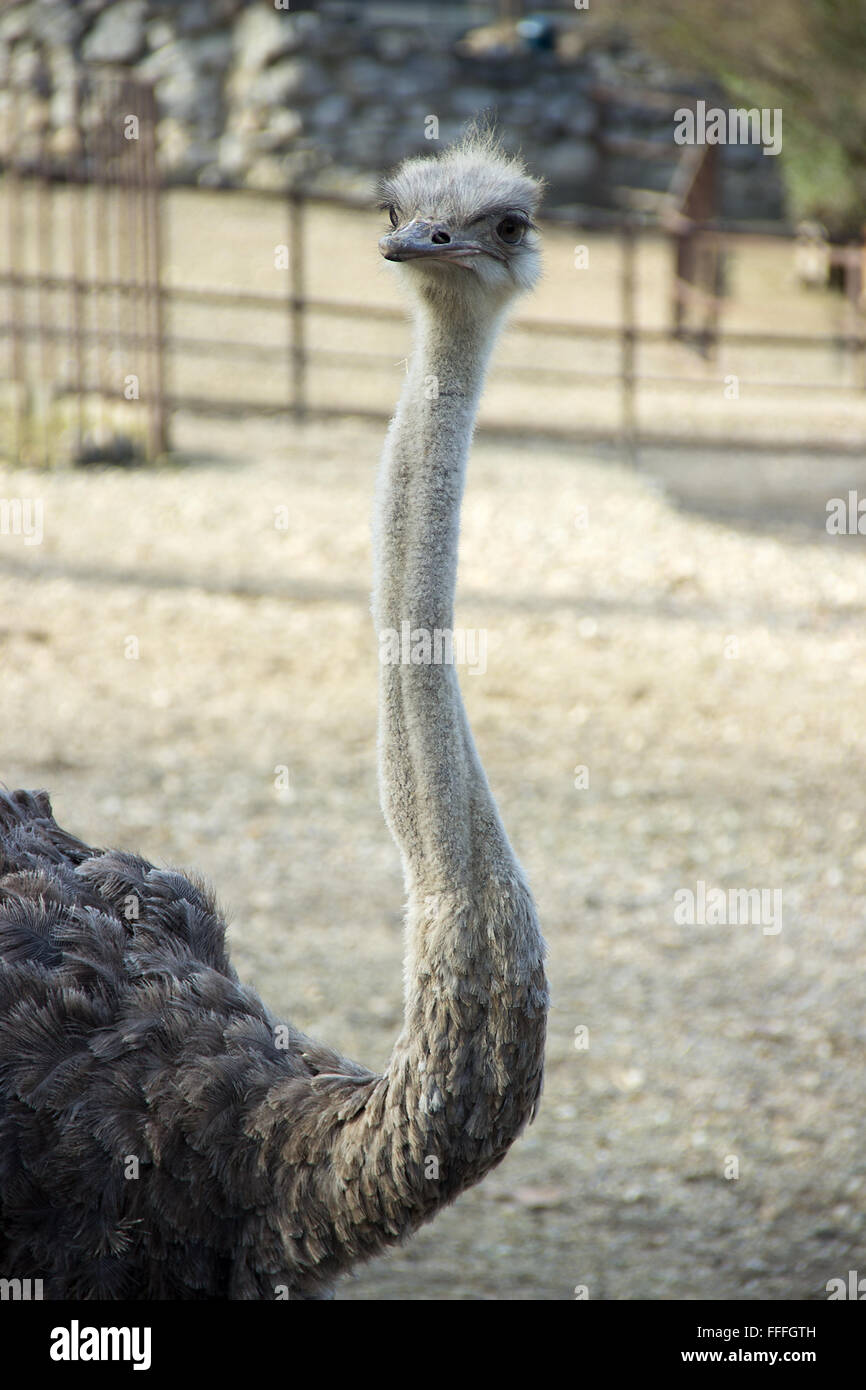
161 1134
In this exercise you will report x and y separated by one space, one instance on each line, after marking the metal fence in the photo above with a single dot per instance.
97 345
83 332
628 358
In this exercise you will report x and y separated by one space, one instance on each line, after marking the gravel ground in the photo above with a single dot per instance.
710 675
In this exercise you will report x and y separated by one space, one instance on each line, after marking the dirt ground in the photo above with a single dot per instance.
708 671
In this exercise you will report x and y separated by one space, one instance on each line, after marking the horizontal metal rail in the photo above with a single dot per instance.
77 323
376 361
340 308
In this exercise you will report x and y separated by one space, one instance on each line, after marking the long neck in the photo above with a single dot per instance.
434 792
465 1073
469 1057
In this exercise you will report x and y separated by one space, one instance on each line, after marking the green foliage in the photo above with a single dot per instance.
807 57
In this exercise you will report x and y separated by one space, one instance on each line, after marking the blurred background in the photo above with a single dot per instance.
199 349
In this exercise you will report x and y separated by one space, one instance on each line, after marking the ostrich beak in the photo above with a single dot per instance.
416 242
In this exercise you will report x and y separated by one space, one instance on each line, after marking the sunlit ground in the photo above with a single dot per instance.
708 674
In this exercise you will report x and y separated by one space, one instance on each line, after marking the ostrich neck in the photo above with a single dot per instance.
434 793
466 1070
465 1073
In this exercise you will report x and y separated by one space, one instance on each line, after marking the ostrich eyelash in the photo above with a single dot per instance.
498 215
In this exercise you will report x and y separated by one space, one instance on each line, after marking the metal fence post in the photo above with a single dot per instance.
154 323
297 306
628 334
17 345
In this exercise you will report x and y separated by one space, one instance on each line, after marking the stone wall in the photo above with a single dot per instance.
255 96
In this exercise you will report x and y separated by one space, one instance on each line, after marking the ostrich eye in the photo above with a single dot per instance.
392 213
510 230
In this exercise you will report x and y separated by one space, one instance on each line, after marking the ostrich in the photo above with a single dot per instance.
162 1136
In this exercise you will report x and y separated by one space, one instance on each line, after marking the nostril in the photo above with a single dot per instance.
440 237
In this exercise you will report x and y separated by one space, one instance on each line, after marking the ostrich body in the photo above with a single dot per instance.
161 1134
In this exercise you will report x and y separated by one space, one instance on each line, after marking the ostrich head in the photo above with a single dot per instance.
462 223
